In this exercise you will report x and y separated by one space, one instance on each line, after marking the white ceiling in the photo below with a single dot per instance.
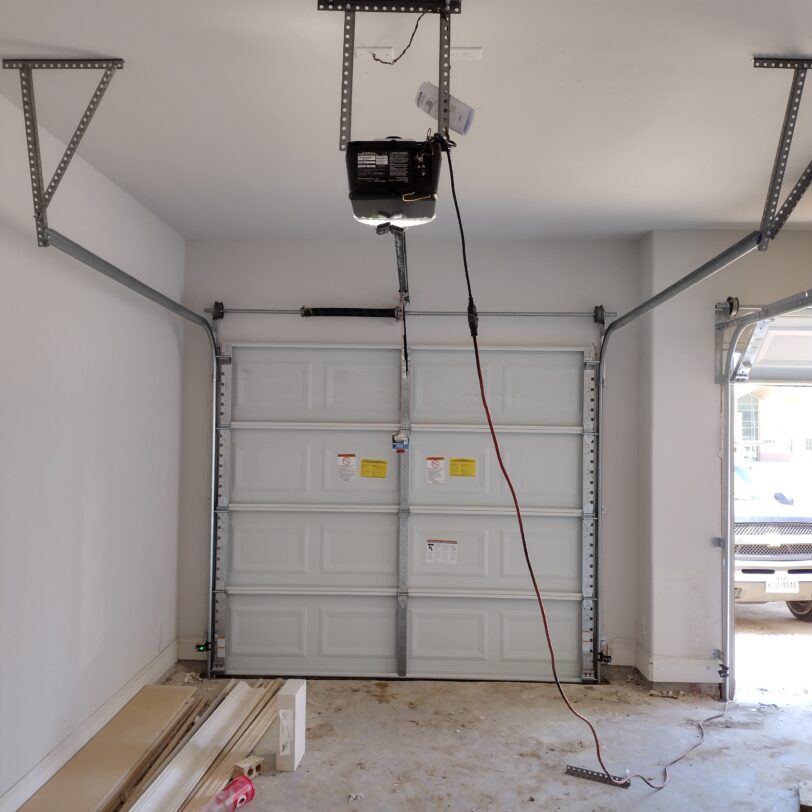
613 117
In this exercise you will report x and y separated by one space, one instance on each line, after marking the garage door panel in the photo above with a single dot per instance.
311 635
280 467
487 552
546 470
523 388
293 384
491 638
313 527
313 549
445 387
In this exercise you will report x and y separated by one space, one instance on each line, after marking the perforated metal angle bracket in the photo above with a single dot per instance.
43 195
601 778
774 218
443 8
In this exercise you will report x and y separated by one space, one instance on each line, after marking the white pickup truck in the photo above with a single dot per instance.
773 544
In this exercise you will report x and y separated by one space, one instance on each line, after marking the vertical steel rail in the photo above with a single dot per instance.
109 270
404 470
347 64
444 79
34 155
726 670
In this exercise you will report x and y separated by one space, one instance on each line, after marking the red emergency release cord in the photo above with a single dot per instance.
473 323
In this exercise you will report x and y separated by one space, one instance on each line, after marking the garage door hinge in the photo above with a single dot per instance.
590 364
225 360
403 598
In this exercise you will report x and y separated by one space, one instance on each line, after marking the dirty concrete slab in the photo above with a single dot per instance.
375 746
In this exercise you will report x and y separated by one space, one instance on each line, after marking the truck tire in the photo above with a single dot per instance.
801 610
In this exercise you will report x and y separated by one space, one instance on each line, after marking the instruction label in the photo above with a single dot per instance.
347 467
374 469
441 551
435 470
462 466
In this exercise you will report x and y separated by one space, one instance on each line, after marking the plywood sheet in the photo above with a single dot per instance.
97 774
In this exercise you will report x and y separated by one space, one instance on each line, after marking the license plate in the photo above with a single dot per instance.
783 584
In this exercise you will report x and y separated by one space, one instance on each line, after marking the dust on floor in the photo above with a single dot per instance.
376 746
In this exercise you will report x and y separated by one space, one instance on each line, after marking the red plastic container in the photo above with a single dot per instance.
238 793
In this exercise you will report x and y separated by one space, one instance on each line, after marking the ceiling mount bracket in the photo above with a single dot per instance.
774 218
445 8
43 195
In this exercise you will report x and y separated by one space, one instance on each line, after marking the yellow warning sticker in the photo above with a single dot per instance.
376 469
461 466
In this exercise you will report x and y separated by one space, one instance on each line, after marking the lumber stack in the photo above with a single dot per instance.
170 748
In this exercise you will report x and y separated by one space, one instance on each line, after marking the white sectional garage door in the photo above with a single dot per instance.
337 556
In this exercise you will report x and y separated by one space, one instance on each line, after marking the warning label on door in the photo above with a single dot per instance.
347 467
375 469
441 551
462 466
435 470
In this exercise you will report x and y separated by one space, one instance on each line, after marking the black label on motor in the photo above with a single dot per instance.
383 167
373 166
399 166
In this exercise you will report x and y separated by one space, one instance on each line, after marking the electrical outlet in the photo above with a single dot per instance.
471 53
363 53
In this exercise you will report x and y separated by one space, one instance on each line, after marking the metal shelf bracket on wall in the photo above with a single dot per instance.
444 8
44 194
46 236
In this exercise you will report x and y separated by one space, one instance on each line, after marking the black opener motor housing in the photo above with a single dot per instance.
393 180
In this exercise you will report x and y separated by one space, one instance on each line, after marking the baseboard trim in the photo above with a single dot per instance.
20 792
657 668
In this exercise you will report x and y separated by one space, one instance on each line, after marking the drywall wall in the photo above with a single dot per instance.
680 590
510 275
90 418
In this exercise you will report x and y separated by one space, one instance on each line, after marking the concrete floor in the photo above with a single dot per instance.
376 746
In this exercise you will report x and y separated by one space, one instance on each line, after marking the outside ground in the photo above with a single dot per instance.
773 655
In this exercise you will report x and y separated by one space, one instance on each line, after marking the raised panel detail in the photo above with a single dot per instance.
282 549
555 551
449 633
362 391
271 388
522 633
261 628
269 466
358 549
471 558
357 632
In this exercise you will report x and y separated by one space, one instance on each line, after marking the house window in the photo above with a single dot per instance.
747 408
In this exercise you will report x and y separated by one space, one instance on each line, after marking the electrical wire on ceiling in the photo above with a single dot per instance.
408 45
473 324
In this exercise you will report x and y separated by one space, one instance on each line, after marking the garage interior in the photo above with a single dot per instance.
246 439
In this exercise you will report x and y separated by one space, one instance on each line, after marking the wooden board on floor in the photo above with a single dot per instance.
95 777
171 787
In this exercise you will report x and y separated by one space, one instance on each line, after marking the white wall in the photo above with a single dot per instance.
679 622
90 423
515 275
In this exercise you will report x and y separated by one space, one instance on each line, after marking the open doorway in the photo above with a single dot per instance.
772 490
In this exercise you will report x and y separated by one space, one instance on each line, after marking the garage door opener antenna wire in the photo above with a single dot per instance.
473 324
